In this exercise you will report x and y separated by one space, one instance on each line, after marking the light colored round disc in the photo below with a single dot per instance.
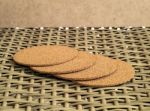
124 73
45 55
83 61
103 67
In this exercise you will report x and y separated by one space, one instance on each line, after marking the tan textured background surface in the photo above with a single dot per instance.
74 12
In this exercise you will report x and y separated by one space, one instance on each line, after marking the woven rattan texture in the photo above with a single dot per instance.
22 89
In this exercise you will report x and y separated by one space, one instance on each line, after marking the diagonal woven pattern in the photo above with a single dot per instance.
22 89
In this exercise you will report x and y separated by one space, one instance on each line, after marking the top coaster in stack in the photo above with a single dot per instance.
45 55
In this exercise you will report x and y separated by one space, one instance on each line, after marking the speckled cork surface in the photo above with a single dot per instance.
45 55
103 67
83 61
124 73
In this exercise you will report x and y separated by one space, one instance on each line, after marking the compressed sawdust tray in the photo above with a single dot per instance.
25 90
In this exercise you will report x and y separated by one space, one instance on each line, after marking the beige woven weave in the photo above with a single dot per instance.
21 89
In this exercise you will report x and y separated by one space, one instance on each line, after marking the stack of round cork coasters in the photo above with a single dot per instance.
78 66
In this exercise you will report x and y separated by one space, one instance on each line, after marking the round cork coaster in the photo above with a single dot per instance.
45 55
103 67
124 73
83 61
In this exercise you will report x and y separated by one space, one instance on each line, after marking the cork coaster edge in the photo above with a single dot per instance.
28 64
93 60
131 70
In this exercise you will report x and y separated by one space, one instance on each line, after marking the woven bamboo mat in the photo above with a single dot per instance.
21 89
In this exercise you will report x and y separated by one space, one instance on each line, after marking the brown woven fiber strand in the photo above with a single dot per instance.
22 89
